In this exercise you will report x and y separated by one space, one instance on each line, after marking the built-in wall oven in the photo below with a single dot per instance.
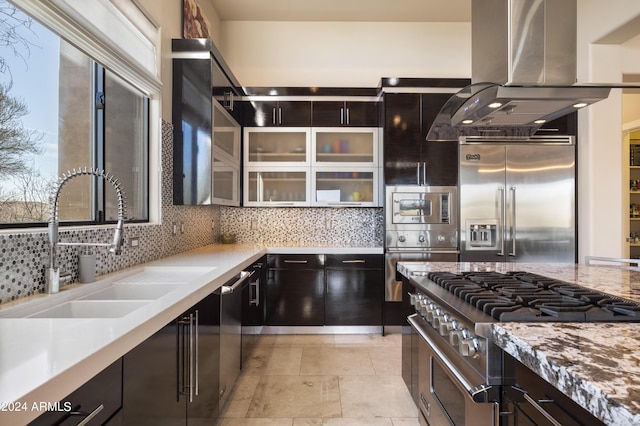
420 225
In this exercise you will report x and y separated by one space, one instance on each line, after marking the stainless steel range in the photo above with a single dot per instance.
462 378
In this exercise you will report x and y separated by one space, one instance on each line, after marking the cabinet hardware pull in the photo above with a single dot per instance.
191 357
348 120
541 410
228 289
424 173
341 115
255 285
513 221
354 261
90 416
295 261
279 115
197 352
418 174
273 116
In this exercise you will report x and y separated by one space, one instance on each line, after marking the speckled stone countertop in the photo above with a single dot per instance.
596 364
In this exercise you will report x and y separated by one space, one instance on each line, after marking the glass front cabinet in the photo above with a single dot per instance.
331 167
226 157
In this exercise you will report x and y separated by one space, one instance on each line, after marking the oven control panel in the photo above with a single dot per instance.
450 328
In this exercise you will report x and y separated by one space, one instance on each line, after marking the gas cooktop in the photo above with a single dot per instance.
524 296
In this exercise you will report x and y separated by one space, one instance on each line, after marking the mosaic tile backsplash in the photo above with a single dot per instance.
24 254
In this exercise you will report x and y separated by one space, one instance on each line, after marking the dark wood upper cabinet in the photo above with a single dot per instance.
408 158
277 113
345 113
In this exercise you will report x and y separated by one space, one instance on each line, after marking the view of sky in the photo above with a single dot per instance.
35 80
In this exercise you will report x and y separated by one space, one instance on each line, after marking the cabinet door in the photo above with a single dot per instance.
328 113
276 147
102 396
341 146
295 290
192 115
150 388
355 291
362 114
278 113
344 186
226 158
441 161
276 187
402 138
341 113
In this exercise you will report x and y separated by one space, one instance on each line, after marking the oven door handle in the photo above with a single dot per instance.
477 393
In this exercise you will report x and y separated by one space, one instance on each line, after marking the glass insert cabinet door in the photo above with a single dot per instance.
345 186
358 146
276 187
276 147
226 134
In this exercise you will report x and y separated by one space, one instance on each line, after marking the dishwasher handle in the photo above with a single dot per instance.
228 289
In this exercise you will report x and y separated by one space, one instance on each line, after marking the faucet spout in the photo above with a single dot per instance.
52 275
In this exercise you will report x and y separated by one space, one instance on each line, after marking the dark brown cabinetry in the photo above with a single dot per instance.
277 113
295 290
173 376
340 290
355 291
253 307
345 113
408 158
97 402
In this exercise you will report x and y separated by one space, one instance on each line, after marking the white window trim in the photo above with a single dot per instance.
118 34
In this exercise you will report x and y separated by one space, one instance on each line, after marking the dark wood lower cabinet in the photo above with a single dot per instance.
162 373
97 402
355 293
295 290
316 290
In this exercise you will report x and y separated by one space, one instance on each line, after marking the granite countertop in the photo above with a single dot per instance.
595 364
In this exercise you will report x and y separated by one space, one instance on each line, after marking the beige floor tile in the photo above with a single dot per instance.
375 396
255 422
296 396
274 360
238 402
368 340
343 422
411 421
336 361
387 360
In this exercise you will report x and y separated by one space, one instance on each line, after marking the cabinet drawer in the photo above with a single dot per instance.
355 261
296 261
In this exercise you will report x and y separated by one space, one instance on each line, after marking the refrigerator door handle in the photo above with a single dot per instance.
501 221
513 221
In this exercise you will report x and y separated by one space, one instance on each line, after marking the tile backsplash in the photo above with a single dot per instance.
24 253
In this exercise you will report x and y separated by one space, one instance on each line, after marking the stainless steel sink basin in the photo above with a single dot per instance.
132 292
90 309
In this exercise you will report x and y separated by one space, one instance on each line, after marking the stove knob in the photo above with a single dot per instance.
425 307
432 312
441 238
448 327
402 238
458 336
469 347
438 316
421 238
439 321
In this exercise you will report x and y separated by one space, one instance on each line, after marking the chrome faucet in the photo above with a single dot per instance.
52 278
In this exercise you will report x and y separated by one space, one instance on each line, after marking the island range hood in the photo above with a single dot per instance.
523 71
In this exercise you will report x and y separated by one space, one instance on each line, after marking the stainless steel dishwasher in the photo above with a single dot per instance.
231 332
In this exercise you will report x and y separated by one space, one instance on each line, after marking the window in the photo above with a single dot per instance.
60 110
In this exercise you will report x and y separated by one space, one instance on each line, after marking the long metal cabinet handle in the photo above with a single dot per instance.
279 115
541 410
295 261
191 358
255 285
501 221
91 415
348 118
477 393
273 116
424 173
513 221
354 261
418 174
341 115
197 332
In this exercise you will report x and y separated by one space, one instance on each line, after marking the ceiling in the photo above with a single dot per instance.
344 10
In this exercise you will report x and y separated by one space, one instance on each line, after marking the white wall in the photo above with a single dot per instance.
602 206
343 54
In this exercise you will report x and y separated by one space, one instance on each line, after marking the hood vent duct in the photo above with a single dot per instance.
523 71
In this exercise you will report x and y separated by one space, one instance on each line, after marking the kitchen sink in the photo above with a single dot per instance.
132 292
90 309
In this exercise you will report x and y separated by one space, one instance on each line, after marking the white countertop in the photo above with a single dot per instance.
44 360
595 364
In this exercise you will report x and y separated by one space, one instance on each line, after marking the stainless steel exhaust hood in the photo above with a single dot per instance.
523 71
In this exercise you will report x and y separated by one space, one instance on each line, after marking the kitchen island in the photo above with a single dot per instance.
596 364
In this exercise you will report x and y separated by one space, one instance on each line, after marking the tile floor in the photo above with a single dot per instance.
309 380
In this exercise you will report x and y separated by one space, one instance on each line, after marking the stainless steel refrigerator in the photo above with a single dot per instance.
517 200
